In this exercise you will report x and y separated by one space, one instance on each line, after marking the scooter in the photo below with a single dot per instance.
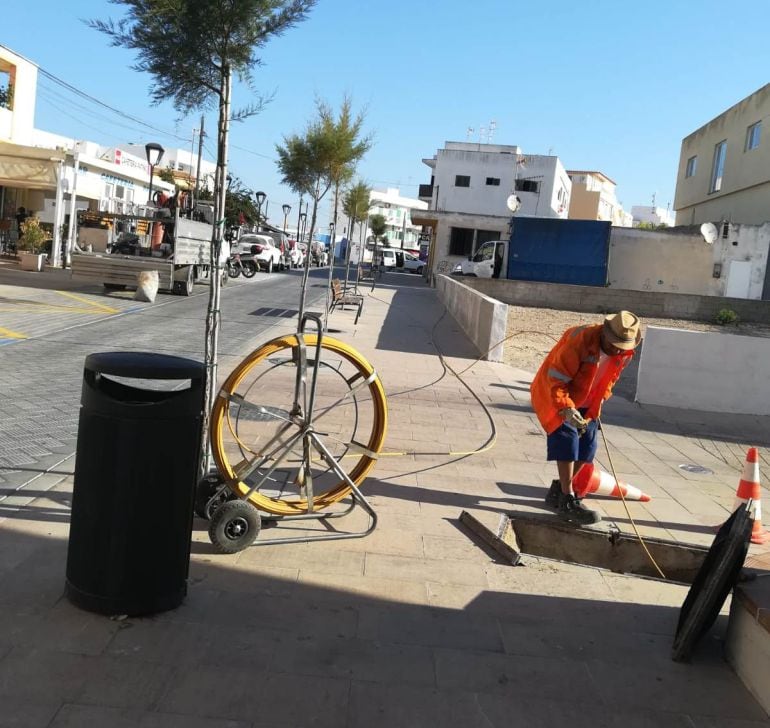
239 263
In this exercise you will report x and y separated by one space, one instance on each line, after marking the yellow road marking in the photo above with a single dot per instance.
8 334
91 304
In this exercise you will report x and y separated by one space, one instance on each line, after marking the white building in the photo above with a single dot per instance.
181 160
43 171
652 215
400 231
469 189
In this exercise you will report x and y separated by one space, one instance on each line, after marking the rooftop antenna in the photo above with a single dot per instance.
492 129
469 133
482 131
653 202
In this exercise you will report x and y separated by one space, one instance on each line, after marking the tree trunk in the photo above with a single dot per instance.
215 281
306 272
333 234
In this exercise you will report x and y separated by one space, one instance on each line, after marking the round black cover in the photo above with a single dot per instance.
713 583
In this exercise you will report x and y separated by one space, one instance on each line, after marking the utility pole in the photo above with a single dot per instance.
200 151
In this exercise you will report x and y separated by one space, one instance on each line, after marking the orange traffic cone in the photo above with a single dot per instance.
748 488
590 479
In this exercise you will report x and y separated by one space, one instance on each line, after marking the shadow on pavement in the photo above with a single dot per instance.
331 646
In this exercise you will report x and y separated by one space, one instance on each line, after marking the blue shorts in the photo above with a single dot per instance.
564 444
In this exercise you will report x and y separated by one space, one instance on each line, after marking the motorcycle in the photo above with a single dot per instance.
239 263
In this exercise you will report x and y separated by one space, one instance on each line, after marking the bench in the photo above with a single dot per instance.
339 298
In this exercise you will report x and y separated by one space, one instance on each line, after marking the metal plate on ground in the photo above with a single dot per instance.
690 468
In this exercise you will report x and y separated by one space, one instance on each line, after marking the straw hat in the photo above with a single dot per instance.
622 330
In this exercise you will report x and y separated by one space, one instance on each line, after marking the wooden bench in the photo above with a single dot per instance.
340 298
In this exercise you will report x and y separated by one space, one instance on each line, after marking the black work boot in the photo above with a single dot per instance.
552 498
571 509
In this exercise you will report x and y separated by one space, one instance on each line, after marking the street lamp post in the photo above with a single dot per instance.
286 210
154 152
260 198
301 231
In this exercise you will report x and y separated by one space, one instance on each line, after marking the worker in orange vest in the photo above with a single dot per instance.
568 391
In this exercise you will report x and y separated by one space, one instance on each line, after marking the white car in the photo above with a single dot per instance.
413 264
263 248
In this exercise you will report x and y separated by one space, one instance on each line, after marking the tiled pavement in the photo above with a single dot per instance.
415 625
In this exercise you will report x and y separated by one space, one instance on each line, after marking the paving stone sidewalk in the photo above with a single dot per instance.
416 625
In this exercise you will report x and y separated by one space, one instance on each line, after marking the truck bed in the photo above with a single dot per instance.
122 270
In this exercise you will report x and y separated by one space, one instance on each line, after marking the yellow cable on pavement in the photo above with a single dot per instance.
625 504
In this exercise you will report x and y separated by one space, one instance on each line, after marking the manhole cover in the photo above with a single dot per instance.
690 468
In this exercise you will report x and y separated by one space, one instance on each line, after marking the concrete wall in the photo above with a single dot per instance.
23 76
591 299
745 192
484 320
713 372
679 260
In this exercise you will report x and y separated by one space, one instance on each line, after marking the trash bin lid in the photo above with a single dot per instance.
144 365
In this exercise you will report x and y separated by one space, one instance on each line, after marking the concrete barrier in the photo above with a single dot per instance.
705 371
593 299
483 319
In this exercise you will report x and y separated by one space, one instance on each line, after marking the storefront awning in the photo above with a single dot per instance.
29 167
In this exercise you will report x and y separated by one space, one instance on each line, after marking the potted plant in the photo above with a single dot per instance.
30 245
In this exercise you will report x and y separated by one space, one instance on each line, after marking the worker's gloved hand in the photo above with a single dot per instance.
572 417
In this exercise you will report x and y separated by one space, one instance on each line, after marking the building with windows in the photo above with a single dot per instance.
593 198
469 190
652 215
724 167
400 231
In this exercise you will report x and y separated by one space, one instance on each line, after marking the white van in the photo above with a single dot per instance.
388 258
490 259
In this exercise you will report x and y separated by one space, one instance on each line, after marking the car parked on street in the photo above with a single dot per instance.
266 253
413 264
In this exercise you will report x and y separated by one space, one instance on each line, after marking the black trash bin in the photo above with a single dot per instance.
138 452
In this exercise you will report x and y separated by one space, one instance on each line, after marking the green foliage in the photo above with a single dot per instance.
326 153
651 226
378 225
6 97
726 316
356 203
190 46
32 236
166 174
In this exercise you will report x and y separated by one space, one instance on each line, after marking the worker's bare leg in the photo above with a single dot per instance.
567 470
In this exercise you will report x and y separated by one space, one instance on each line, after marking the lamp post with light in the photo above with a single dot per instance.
154 152
260 198
302 220
286 210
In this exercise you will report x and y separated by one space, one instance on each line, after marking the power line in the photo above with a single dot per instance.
94 100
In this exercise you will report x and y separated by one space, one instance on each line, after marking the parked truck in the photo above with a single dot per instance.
174 242
551 250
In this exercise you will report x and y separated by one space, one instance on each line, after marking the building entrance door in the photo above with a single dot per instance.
738 279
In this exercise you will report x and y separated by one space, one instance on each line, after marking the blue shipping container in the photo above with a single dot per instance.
553 250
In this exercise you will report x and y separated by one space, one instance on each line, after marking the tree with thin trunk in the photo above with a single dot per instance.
312 162
192 48
378 225
356 205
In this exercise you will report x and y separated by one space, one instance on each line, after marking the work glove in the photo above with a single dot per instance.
572 417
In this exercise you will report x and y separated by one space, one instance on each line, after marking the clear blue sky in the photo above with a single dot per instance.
606 85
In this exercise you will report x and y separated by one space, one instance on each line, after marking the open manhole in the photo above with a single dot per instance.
691 468
602 545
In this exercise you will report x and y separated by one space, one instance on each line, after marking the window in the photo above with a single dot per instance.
718 170
483 235
752 136
692 165
493 181
462 180
460 241
527 185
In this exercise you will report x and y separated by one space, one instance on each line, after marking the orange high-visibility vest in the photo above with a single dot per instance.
567 375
